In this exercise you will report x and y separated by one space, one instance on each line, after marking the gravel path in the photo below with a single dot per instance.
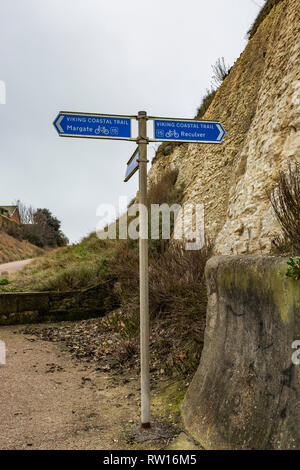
50 401
14 266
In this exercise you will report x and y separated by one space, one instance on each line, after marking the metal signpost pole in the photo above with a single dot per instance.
144 289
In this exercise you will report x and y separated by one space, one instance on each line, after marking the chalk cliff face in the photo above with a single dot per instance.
259 106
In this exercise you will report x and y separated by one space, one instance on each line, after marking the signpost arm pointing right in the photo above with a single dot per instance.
144 289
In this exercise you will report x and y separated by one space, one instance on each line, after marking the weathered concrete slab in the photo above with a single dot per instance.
245 394
24 307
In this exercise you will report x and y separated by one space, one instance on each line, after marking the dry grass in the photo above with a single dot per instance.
177 284
178 301
285 199
14 250
177 298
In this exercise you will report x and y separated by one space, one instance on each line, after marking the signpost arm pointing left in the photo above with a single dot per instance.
58 124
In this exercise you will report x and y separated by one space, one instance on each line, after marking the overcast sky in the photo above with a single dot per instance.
100 56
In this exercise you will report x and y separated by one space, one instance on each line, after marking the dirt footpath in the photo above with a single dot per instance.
14 266
48 401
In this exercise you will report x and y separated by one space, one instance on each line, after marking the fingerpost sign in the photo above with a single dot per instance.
132 165
118 127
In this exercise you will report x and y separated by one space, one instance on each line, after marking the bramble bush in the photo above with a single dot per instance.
293 270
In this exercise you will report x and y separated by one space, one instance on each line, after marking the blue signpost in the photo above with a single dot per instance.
208 132
93 126
132 165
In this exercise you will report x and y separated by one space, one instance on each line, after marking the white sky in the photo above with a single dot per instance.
101 56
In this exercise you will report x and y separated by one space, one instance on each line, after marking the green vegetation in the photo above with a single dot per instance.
293 270
67 268
4 281
269 4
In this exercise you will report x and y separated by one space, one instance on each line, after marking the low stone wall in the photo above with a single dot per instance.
245 394
52 306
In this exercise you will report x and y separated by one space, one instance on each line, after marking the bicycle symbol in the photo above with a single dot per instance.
102 130
172 134
114 131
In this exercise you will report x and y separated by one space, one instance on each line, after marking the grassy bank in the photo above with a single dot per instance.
12 249
68 268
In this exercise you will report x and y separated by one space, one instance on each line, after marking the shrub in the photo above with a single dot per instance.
285 200
49 228
126 271
32 234
164 191
13 229
177 301
293 270
220 71
77 276
175 275
176 281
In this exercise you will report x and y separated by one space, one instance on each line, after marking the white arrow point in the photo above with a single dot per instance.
222 132
58 124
